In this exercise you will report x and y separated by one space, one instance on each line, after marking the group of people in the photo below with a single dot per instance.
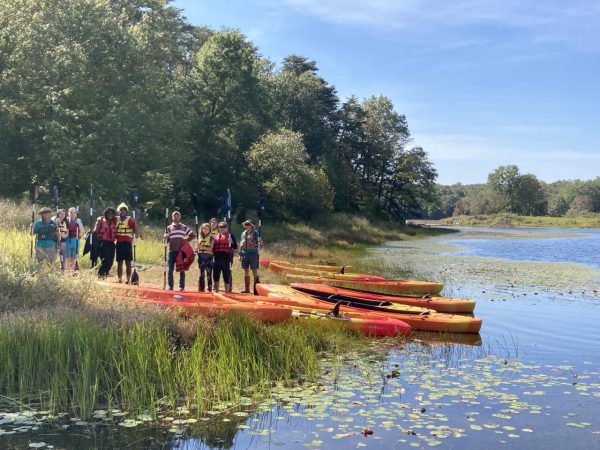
115 234
61 236
215 250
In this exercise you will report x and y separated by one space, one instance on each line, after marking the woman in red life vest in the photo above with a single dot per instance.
75 232
126 231
175 235
224 245
106 230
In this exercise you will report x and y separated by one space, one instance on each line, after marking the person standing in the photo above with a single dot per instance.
126 231
223 248
175 235
250 244
205 257
47 237
61 221
75 231
214 226
106 230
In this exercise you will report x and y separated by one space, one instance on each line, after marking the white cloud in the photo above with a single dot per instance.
548 21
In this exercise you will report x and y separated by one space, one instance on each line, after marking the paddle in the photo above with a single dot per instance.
55 197
77 196
359 303
35 193
135 278
260 209
166 232
196 205
93 255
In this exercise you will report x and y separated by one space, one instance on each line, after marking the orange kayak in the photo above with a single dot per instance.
360 322
425 321
316 267
278 268
439 304
378 286
199 303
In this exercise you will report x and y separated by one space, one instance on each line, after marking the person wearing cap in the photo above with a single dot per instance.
250 244
175 235
223 249
47 237
106 230
75 231
126 231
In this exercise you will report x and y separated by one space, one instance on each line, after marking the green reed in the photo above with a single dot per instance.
77 364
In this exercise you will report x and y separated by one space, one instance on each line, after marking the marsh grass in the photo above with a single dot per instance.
588 220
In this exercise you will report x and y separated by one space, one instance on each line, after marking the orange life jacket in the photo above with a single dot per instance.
185 257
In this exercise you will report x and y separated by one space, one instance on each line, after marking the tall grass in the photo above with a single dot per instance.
77 364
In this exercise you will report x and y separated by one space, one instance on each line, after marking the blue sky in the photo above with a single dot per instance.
482 83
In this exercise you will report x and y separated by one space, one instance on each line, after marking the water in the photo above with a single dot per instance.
530 380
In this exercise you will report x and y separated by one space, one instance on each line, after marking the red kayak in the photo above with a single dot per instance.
360 322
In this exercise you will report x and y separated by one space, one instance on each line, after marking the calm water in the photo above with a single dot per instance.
530 381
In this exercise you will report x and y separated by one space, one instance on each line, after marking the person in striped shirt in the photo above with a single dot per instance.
175 235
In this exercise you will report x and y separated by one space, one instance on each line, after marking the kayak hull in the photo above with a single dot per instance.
432 321
359 322
285 269
439 304
199 303
378 286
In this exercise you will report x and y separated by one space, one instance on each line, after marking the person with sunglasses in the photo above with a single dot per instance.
223 249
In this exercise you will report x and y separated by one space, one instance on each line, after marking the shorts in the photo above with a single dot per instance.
124 251
71 252
250 261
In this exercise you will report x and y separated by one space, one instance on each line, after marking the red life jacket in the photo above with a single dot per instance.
222 244
107 230
73 228
185 257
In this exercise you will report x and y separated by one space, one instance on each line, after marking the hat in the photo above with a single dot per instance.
248 222
121 206
45 209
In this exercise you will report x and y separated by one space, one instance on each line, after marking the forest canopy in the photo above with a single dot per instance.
126 94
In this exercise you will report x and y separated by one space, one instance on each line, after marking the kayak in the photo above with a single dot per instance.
425 321
378 286
365 323
278 268
317 267
198 303
439 304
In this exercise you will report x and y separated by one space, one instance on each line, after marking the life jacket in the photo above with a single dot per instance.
222 244
185 257
107 231
63 229
47 231
205 242
73 228
123 229
250 240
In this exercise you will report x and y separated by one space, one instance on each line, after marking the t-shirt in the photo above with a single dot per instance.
50 238
249 242
176 234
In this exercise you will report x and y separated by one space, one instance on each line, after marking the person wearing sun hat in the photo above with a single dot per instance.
250 244
125 234
47 236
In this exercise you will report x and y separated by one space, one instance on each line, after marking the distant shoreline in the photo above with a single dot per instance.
514 221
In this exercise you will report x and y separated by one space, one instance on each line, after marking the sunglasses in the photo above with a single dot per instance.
222 226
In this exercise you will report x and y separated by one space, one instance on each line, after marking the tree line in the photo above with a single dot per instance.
125 94
508 190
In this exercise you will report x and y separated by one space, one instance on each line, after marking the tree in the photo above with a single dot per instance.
529 197
279 162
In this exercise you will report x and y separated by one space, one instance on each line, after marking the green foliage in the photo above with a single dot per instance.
281 161
128 94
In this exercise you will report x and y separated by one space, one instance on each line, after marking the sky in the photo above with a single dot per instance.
483 83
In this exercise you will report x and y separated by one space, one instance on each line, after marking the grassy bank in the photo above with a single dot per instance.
66 346
513 220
